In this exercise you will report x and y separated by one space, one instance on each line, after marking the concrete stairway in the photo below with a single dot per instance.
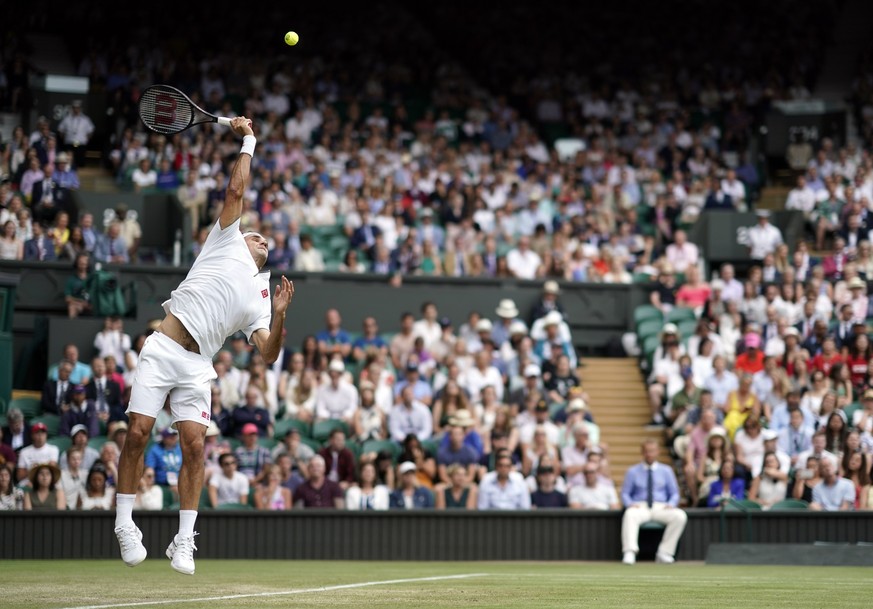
619 405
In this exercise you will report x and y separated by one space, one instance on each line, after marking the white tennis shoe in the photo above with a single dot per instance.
181 554
130 542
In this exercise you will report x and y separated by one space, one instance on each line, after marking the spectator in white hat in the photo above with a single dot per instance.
548 301
508 313
551 333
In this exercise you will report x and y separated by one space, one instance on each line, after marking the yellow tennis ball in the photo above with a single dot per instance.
291 38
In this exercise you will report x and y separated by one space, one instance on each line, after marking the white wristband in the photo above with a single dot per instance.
248 146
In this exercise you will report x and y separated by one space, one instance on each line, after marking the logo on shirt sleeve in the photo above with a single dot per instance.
264 293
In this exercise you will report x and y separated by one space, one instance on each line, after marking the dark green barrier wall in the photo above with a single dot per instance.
422 535
597 313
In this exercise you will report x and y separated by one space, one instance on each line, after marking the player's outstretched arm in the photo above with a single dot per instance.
239 176
269 343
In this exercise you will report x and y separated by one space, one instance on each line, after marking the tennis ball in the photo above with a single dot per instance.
291 38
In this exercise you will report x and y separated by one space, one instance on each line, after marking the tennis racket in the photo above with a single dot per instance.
166 110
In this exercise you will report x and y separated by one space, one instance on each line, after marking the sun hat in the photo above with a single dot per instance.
507 308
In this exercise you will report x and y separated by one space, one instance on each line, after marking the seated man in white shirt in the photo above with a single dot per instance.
594 494
337 399
682 253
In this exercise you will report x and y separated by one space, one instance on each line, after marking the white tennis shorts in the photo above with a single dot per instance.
163 368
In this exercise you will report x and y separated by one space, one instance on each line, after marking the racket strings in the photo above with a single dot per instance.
165 111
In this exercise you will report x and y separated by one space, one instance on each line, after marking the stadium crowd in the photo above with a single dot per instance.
415 167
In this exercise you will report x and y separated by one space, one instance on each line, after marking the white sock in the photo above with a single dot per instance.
186 522
124 509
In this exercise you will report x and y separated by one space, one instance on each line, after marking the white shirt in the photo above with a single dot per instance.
523 265
474 380
223 293
113 343
430 332
682 256
763 240
601 496
31 455
801 199
230 489
336 403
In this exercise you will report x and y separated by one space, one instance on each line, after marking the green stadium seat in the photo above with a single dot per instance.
743 505
269 443
850 411
204 499
680 314
283 425
432 445
649 327
235 506
647 311
380 445
62 442
322 429
97 442
790 504
30 407
169 497
313 444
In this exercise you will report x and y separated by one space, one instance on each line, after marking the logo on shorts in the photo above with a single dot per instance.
264 293
205 415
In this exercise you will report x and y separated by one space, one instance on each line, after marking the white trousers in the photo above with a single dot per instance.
673 518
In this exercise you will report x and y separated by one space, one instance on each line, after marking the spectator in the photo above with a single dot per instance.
334 340
681 254
253 413
80 410
45 493
271 495
459 493
833 493
522 261
73 474
650 493
41 246
339 461
99 494
165 457
663 295
149 496
771 484
337 399
318 491
309 258
456 453
547 303
409 416
694 292
409 495
503 489
368 494
79 442
369 339
726 486
546 495
298 451
403 342
594 493
111 248
763 237
11 246
428 326
11 497
105 393
252 458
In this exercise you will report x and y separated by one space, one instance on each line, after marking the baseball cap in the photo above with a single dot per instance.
249 428
445 322
77 428
542 406
531 370
551 287
336 366
39 426
576 404
484 325
406 466
518 327
168 431
553 318
769 434
77 389
752 340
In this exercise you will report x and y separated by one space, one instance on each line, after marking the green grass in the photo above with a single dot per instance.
61 584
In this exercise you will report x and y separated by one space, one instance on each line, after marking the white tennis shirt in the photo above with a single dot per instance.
223 293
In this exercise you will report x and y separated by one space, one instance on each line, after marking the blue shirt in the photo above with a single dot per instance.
464 456
165 461
80 372
421 390
513 495
422 498
472 439
340 338
363 342
831 497
665 488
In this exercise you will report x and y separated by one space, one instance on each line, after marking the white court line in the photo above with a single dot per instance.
386 582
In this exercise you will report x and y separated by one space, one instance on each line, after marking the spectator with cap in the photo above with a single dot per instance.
763 237
79 411
508 313
594 493
338 398
553 337
251 456
532 384
464 418
165 457
457 452
409 495
65 174
88 455
422 390
547 302
751 360
576 411
39 451
547 494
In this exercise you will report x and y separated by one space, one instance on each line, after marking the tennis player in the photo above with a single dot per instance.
223 293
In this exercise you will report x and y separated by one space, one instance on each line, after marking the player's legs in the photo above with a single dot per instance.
190 407
130 463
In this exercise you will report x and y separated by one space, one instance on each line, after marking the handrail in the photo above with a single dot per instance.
730 501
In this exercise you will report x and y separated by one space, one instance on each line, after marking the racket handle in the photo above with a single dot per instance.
222 120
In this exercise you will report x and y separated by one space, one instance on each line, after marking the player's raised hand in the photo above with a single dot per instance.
282 297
